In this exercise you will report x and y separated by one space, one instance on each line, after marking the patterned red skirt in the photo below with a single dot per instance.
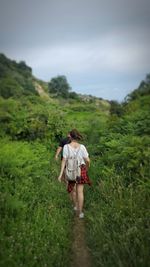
84 179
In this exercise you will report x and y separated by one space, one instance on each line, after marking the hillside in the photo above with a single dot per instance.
37 220
16 79
31 110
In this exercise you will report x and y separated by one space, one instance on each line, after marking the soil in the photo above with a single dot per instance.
80 251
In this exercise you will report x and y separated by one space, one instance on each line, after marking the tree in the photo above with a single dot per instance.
115 108
73 95
147 79
25 70
142 90
59 86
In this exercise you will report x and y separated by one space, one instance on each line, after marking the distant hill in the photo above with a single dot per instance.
16 79
29 110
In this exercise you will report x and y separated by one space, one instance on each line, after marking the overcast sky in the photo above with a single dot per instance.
101 46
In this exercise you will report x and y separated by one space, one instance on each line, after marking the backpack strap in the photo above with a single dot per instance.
69 156
78 151
68 151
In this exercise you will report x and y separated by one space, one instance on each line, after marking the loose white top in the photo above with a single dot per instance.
69 151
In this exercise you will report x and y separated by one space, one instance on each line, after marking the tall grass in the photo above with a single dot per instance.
118 205
35 211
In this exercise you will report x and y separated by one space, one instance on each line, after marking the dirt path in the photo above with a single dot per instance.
80 251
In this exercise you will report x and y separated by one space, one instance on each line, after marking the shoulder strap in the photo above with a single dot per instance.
78 151
68 150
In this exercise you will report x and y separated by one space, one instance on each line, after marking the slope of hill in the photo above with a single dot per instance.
31 110
16 79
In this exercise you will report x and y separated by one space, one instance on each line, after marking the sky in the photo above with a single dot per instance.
101 46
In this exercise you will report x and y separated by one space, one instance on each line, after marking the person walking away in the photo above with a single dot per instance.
77 151
63 142
59 151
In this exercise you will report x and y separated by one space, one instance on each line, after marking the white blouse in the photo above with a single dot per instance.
69 151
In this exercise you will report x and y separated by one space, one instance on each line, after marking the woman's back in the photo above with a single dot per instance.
75 150
74 145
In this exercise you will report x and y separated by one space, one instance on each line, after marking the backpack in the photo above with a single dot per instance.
72 170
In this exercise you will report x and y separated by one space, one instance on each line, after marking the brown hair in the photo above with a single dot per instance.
75 135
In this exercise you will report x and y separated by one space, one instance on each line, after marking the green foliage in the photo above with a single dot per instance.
15 78
24 120
9 88
116 108
73 95
118 226
35 219
35 211
142 90
59 86
24 69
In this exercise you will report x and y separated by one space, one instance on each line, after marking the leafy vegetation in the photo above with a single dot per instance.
118 207
36 214
34 221
15 78
59 87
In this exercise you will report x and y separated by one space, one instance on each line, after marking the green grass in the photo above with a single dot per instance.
36 217
117 222
117 206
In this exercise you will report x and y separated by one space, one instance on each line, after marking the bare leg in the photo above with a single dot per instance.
73 196
63 178
80 197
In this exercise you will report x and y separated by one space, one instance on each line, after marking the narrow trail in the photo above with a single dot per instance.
80 251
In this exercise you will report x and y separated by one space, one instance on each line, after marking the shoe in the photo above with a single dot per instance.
75 208
81 215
